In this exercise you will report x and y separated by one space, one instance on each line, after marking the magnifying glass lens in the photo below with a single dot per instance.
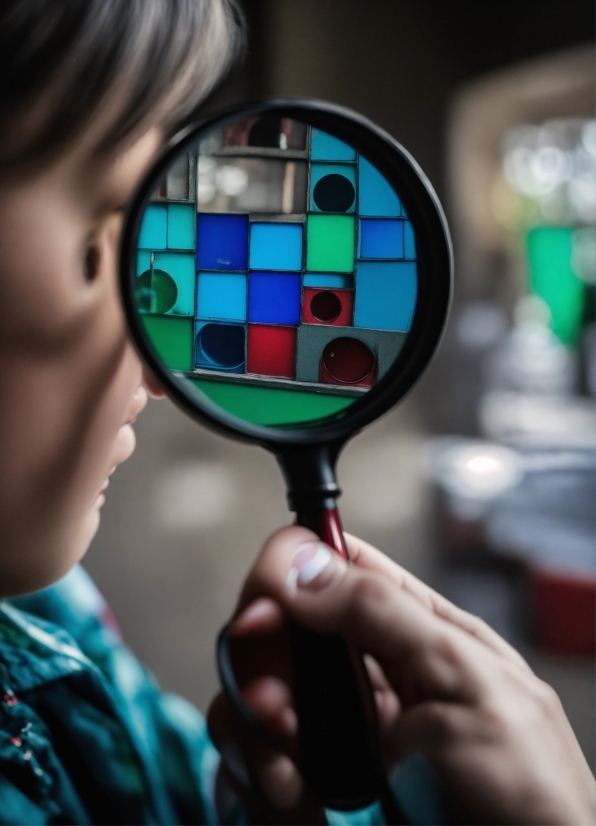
276 271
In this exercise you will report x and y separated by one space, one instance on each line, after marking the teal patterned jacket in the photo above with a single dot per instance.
86 735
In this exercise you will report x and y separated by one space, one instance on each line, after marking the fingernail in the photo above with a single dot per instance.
232 757
312 567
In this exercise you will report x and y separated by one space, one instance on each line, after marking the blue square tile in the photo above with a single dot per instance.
221 296
274 298
324 147
376 196
154 228
381 239
409 240
222 242
220 346
385 294
275 246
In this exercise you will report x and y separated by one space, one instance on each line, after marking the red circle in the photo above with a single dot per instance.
348 360
325 306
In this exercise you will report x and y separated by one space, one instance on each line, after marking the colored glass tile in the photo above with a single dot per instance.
181 226
334 307
271 351
156 292
221 296
181 267
154 228
220 346
409 240
271 405
385 294
332 187
375 195
274 298
320 279
222 242
381 239
275 246
172 339
330 243
143 260
324 147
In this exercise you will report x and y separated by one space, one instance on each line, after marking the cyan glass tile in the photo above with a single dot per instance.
153 228
221 296
332 187
324 147
274 298
381 239
409 240
181 226
318 279
181 267
275 246
143 261
385 294
222 242
375 195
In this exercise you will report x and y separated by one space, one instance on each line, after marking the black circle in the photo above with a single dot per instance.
334 193
325 306
223 344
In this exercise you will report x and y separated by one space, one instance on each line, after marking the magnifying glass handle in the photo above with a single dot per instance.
339 749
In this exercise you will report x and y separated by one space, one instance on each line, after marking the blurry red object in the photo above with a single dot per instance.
271 350
564 608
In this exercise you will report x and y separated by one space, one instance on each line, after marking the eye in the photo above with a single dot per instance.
91 265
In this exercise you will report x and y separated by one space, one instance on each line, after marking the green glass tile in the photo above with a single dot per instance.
553 279
270 405
330 243
172 339
181 226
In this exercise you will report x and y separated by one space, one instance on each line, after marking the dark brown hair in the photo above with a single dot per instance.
61 61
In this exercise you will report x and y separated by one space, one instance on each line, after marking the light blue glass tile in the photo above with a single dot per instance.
275 246
143 261
221 296
324 147
375 195
385 294
409 240
317 279
181 267
181 226
153 228
381 239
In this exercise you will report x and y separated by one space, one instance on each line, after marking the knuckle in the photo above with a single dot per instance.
368 590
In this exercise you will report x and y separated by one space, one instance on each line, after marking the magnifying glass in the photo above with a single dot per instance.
286 273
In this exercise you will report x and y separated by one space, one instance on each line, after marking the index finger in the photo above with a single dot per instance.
367 557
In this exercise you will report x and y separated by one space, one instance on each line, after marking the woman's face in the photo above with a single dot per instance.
70 383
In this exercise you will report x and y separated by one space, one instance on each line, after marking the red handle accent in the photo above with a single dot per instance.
327 526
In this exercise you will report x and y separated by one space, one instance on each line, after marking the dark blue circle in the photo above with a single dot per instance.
223 344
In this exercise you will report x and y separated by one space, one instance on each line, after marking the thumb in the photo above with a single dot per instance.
423 656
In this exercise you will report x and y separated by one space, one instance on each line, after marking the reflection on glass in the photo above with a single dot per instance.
277 271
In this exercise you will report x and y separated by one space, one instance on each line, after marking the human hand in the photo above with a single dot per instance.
446 686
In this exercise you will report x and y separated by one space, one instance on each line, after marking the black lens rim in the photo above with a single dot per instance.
435 274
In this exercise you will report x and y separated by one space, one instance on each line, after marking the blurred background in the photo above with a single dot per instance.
483 481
